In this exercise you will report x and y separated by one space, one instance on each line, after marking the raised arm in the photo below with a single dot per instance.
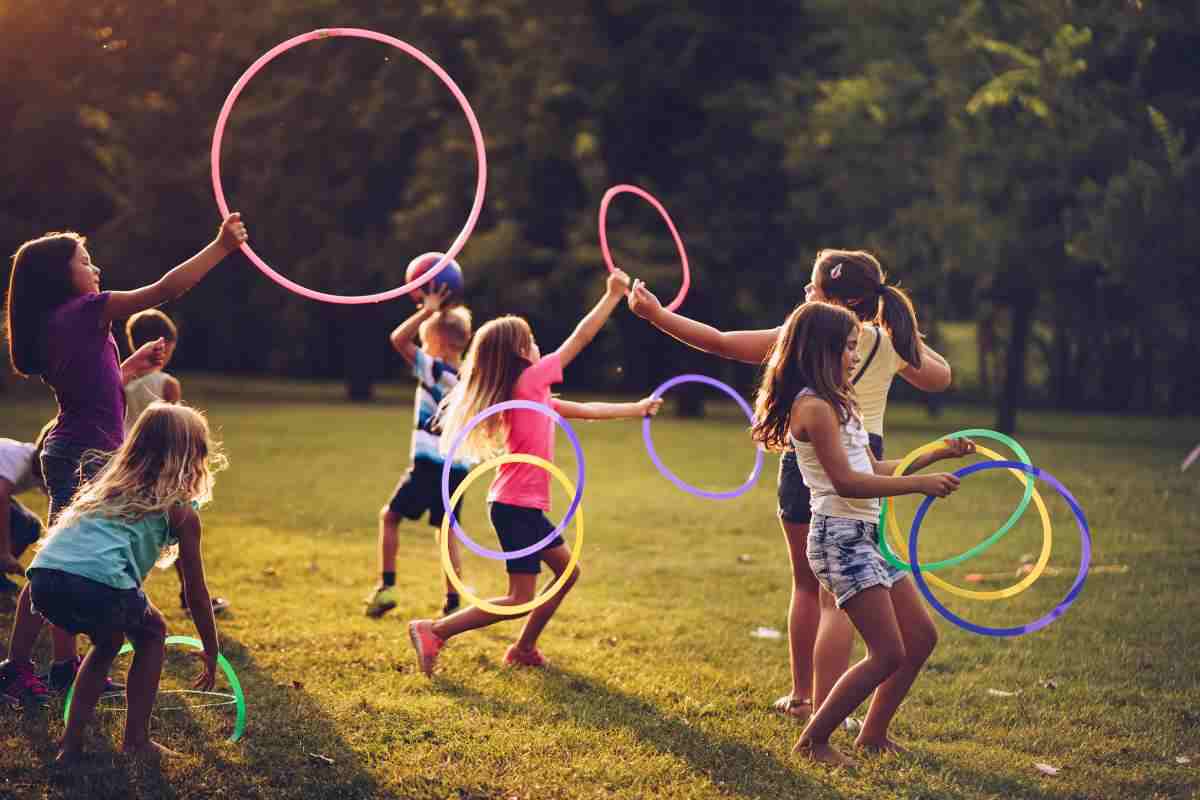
590 325
186 524
817 419
180 279
747 346
403 338
934 374
593 411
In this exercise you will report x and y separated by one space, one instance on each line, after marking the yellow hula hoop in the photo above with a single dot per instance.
552 589
999 594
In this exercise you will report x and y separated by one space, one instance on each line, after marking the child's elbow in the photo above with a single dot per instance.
844 487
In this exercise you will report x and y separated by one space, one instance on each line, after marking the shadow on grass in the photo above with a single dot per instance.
275 758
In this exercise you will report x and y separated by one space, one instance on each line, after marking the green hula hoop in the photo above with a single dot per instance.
239 727
980 433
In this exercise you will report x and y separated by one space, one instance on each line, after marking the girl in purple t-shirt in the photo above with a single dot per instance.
59 328
504 363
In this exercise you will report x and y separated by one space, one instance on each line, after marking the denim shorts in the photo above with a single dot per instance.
794 497
65 466
843 555
518 527
81 605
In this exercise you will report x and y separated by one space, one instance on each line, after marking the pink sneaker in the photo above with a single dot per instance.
515 657
426 643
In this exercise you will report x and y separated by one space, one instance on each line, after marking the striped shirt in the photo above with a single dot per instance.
435 379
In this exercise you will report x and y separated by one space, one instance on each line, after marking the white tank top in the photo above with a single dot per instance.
140 393
824 499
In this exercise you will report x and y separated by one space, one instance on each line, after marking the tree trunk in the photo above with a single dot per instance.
1013 390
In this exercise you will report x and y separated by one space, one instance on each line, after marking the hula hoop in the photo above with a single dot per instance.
449 504
672 477
231 700
481 158
552 589
1085 543
888 522
622 188
999 594
239 699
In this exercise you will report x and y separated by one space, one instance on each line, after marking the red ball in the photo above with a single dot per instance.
449 275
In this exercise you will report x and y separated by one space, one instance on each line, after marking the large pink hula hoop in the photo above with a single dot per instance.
455 247
621 188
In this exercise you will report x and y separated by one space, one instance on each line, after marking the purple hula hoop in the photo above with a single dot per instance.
1085 544
727 389
511 405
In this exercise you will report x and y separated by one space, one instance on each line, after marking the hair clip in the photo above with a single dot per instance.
836 272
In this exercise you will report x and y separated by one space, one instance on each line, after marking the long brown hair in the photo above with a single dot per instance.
499 353
856 279
40 281
807 353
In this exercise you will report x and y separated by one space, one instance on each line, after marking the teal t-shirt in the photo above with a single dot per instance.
110 550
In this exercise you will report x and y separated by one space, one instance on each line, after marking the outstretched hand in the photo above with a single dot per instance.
649 406
233 232
147 358
434 301
642 301
208 678
617 283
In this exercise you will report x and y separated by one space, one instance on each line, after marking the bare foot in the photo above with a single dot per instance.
150 749
822 753
790 706
888 745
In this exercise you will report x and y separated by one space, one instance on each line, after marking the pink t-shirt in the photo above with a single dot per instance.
532 433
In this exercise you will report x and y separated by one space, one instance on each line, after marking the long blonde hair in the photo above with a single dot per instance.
806 354
499 353
168 459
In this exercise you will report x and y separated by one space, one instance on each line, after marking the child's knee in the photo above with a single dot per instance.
889 657
521 594
921 643
151 630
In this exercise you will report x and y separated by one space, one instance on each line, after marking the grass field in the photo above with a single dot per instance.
656 688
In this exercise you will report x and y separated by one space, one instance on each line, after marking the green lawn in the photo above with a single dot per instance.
657 688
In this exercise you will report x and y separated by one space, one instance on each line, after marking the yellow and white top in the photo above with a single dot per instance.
872 387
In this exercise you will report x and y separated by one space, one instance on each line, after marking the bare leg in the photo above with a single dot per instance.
455 559
831 653
803 616
556 558
920 636
142 685
872 613
388 523
521 589
89 683
26 627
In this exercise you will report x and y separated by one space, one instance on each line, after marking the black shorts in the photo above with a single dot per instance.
24 527
794 497
420 490
518 527
81 605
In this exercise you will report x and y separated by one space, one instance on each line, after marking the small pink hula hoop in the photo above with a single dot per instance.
622 188
455 247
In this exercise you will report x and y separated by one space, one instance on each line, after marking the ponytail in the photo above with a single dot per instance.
900 319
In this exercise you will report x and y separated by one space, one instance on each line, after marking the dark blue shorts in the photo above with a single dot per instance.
420 490
518 527
65 466
24 527
794 497
81 605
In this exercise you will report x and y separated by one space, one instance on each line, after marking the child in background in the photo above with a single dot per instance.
157 386
445 333
60 329
806 401
87 576
504 363
20 471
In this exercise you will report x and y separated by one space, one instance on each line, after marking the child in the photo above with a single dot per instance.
156 385
445 333
806 400
59 328
819 636
20 471
504 363
87 577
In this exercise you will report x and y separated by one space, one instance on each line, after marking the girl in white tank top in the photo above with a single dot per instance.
806 399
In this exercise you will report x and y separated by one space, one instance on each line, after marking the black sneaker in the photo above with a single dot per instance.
21 688
62 675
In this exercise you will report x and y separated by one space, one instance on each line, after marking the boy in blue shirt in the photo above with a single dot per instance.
445 333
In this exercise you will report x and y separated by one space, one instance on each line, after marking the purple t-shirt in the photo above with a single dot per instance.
84 370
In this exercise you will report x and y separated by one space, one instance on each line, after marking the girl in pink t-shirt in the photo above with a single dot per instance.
504 363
